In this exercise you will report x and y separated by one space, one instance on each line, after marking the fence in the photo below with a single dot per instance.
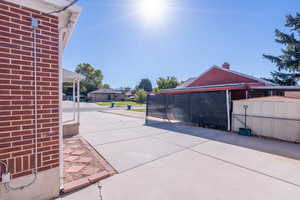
205 108
274 117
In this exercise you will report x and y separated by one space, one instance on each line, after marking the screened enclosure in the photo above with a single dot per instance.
203 108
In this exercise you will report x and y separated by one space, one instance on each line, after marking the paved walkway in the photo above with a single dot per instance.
172 162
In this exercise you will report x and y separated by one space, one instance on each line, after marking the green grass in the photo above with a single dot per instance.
119 103
139 110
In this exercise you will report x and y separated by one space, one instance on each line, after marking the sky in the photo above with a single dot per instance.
193 35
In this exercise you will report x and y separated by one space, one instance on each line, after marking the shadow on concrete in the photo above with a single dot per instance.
267 145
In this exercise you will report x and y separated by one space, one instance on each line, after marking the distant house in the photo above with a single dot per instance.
104 94
241 86
186 83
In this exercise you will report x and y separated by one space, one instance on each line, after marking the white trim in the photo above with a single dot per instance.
78 101
61 141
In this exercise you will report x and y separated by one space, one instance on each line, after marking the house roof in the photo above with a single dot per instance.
187 82
67 18
106 91
221 78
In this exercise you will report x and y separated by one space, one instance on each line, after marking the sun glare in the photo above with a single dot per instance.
152 10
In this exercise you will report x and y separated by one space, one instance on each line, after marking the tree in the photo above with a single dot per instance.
68 88
288 64
107 86
281 78
145 84
93 78
156 89
140 96
167 83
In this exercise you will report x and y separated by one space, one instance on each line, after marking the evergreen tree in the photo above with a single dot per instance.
145 84
282 78
288 64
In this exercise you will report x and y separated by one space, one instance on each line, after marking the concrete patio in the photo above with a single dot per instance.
168 161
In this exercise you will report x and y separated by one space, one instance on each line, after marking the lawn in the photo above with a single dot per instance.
120 103
139 110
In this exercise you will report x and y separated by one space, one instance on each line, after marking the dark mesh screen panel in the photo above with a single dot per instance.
207 108
156 106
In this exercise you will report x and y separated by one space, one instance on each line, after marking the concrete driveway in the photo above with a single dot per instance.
174 162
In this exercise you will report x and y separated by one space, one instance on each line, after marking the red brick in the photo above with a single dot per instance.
20 11
3 7
10 4
10 14
21 153
4 61
7 45
4 156
11 165
12 36
18 164
25 173
6 50
3 113
9 107
3 39
25 163
5 145
8 24
16 89
8 150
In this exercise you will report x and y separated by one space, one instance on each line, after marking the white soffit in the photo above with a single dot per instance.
67 18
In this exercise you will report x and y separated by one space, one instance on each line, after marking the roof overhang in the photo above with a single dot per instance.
69 76
67 18
282 88
209 88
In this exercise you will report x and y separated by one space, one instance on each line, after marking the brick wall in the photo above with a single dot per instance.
17 90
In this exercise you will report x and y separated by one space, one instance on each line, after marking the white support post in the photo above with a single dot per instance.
61 142
228 110
74 99
78 101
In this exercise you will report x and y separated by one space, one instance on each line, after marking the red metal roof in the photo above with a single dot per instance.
217 75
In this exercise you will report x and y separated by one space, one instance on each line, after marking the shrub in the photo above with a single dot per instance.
140 96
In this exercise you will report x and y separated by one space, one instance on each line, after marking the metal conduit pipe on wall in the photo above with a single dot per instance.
34 23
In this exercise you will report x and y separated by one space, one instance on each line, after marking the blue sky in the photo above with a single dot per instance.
195 35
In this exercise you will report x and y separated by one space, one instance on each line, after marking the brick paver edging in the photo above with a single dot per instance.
83 182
